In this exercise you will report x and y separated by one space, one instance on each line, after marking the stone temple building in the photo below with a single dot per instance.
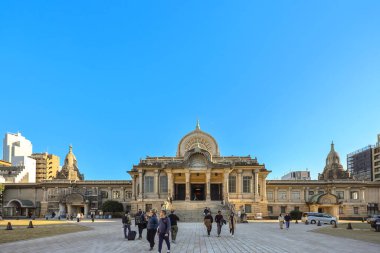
198 176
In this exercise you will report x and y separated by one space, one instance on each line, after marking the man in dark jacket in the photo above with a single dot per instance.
287 219
219 221
163 231
173 222
152 228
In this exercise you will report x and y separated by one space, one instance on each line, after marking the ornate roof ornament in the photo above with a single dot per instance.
198 127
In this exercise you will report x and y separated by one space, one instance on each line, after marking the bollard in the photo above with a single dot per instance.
296 221
9 226
30 224
349 226
363 219
306 222
319 223
334 225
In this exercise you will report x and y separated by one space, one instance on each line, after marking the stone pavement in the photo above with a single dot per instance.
192 237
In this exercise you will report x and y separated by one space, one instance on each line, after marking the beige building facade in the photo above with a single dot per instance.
47 166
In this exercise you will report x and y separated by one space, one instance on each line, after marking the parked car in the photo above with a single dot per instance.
322 217
305 215
374 221
373 217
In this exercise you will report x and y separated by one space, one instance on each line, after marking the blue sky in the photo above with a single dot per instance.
120 80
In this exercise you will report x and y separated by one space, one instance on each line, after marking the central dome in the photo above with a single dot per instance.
199 139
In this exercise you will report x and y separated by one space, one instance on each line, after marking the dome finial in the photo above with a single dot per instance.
332 145
198 127
70 148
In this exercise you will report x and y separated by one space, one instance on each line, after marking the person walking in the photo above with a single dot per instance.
163 231
78 217
287 219
152 228
126 220
173 222
206 211
140 221
232 223
208 220
281 221
219 222
92 217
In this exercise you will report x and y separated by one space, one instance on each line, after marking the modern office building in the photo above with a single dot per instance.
376 160
297 175
359 164
15 145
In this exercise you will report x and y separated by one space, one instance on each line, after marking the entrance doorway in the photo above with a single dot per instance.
216 192
179 191
197 192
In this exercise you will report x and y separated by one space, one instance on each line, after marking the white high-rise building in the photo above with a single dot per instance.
15 145
17 150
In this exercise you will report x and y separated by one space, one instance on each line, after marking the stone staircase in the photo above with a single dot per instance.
192 211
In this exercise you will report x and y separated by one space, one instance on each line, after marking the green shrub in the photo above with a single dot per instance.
112 206
295 214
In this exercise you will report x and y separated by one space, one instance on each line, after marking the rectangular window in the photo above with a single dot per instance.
270 195
282 195
340 210
148 207
283 209
296 195
270 209
149 184
356 210
116 194
340 194
163 184
311 193
232 184
246 184
128 194
248 208
355 195
296 208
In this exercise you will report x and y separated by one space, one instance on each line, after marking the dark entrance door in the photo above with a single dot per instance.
180 192
216 191
197 192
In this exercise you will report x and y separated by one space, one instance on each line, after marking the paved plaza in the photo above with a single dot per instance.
192 237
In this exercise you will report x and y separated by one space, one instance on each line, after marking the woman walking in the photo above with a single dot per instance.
232 223
281 221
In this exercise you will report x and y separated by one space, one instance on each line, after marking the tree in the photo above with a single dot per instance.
112 206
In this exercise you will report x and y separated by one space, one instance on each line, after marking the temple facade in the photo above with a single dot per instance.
198 176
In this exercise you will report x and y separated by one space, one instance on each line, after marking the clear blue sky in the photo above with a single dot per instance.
120 80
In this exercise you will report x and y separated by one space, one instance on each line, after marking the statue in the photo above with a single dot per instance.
167 204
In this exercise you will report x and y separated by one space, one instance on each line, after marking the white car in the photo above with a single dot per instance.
322 217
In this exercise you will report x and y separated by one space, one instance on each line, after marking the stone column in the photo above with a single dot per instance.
289 194
208 179
307 194
275 194
85 209
347 194
156 183
170 183
133 188
69 209
225 187
257 185
122 189
362 194
187 175
141 195
264 187
239 185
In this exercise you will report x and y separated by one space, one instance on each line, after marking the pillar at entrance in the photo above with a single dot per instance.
257 185
85 210
208 178
69 209
170 183
239 180
187 174
140 185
